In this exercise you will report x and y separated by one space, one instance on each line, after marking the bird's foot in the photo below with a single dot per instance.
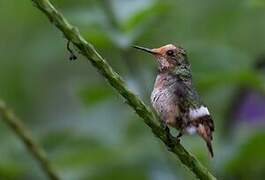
171 140
164 126
170 143
178 137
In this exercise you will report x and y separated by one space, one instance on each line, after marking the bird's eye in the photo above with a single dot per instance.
170 52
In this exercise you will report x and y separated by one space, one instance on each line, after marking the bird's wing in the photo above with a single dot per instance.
198 116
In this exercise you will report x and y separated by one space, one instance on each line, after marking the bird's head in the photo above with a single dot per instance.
169 56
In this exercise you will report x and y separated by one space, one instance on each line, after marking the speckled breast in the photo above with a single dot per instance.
164 100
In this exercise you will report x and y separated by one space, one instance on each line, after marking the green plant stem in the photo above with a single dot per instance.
87 49
16 125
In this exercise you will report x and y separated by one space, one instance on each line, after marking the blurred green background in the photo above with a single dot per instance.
85 126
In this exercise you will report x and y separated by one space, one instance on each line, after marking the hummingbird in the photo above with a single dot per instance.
174 96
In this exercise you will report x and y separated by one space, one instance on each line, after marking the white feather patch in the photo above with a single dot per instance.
191 130
199 112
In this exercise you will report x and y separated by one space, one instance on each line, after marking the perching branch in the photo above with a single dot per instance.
23 133
87 49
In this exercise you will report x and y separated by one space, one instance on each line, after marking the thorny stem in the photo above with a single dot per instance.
88 50
16 125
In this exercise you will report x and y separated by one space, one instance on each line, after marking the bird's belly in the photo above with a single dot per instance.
164 102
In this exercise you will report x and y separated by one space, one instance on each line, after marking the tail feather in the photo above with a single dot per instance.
210 148
205 132
205 127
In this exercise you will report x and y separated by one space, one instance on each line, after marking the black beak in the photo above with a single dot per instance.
144 49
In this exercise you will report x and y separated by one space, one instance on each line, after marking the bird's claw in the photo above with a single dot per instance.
165 127
170 143
177 140
178 137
